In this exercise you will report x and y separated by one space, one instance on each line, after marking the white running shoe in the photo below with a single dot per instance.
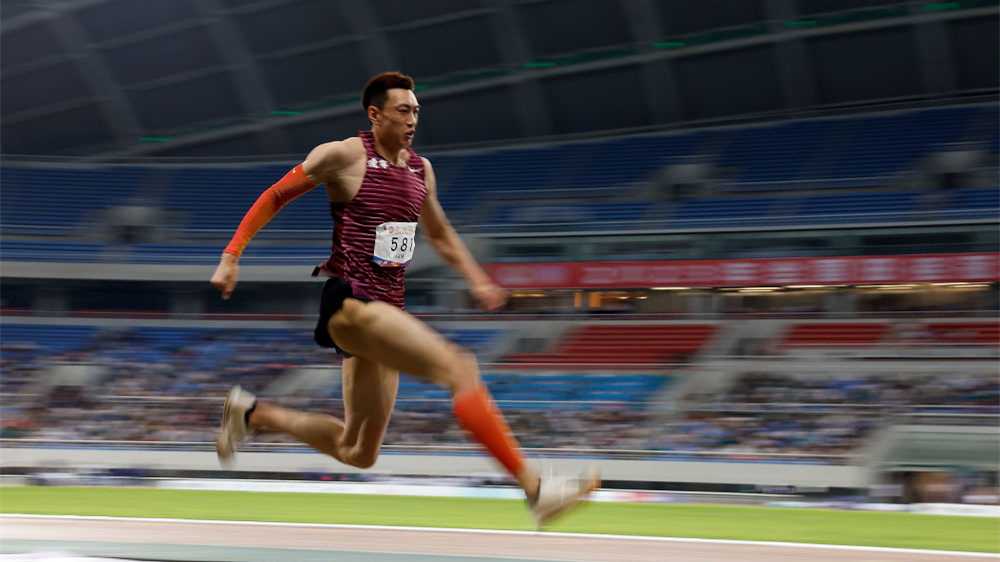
557 494
233 431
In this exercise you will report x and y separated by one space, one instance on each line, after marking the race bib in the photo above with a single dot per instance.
394 242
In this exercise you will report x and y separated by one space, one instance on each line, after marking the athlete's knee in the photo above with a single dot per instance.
361 457
463 369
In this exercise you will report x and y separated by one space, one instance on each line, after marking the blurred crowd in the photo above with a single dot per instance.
956 393
120 388
790 434
128 363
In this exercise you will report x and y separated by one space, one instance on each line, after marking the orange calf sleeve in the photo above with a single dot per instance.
477 413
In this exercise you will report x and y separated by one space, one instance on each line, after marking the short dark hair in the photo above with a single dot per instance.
376 88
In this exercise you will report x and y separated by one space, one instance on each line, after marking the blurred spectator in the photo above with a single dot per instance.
152 391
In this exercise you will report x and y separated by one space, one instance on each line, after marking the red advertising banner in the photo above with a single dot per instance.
848 270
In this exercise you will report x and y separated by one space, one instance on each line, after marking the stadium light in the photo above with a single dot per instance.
758 289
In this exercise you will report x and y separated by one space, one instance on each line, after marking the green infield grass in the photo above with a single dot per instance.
901 530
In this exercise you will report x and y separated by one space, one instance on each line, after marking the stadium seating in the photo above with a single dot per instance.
835 334
718 210
596 215
185 371
70 251
46 339
527 391
968 333
57 338
475 339
976 198
55 200
211 198
879 146
867 334
858 393
856 206
52 250
760 155
857 158
623 345
182 360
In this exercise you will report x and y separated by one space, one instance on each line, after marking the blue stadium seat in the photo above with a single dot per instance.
58 199
987 198
51 338
209 199
724 210
585 185
580 391
855 206
50 250
766 157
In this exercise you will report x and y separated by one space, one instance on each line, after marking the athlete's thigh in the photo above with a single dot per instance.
393 337
369 398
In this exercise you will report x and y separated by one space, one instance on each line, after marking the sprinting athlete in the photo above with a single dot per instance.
379 191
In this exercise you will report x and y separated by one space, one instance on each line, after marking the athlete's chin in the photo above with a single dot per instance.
408 139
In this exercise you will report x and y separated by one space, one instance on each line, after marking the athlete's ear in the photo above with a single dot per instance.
373 114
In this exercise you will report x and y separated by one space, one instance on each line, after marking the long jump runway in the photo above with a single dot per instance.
65 538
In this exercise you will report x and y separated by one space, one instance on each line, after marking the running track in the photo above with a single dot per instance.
203 541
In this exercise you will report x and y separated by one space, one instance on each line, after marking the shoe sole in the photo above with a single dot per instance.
593 483
220 442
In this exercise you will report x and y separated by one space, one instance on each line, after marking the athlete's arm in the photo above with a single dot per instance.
322 161
442 236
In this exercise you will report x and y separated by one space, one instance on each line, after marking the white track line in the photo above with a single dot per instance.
505 532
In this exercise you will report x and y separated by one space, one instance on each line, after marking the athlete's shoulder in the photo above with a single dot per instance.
429 178
347 149
427 165
331 157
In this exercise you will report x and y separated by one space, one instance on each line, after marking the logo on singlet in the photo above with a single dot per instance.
377 163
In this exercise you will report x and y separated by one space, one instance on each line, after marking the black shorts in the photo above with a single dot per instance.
335 290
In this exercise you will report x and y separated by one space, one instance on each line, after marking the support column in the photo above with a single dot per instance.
254 94
114 104
529 99
798 79
658 80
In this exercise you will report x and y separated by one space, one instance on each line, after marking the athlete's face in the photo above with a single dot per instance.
397 120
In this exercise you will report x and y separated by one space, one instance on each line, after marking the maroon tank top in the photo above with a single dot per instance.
388 194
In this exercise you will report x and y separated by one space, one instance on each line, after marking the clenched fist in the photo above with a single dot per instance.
226 274
490 296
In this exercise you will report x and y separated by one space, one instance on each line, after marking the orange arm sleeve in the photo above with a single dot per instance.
293 184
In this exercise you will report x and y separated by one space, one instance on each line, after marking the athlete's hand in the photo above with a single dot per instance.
491 296
226 274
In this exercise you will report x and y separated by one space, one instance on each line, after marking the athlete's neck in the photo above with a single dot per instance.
393 152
